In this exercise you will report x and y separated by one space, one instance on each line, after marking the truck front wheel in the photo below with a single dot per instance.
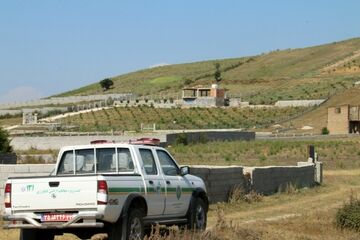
197 217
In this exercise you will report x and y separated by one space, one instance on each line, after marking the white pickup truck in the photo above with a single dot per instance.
114 188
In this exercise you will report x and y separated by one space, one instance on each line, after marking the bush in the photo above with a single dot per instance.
325 131
349 215
181 138
4 142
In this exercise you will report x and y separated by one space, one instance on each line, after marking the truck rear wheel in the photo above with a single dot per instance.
135 225
34 234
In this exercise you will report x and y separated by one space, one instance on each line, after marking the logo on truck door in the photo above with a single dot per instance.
178 192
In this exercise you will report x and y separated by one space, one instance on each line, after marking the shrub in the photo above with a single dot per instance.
325 131
349 215
181 138
4 142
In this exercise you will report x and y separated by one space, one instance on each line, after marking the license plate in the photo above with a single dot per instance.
56 217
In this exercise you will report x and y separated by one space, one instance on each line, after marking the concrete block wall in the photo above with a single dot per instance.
205 136
268 180
14 170
219 180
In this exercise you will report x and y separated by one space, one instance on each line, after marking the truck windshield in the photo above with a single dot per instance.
82 161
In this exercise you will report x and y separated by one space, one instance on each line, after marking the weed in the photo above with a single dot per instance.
348 216
238 194
288 188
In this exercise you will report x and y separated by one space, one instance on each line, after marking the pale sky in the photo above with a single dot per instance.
47 47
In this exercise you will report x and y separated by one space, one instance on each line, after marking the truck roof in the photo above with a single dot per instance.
106 144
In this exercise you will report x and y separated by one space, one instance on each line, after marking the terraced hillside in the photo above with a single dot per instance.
308 73
131 118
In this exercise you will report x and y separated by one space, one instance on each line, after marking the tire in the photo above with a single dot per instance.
135 225
197 218
34 234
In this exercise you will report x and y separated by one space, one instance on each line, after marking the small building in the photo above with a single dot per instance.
343 119
203 96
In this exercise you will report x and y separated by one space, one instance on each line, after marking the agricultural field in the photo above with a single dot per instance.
131 118
335 154
307 73
9 121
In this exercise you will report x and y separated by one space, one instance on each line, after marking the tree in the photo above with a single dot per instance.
217 73
106 83
4 142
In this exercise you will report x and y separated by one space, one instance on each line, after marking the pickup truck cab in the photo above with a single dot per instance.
105 187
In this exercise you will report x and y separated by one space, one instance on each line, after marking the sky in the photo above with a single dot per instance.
48 47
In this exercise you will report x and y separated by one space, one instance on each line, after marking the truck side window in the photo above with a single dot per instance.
84 161
105 160
66 163
168 165
126 163
149 161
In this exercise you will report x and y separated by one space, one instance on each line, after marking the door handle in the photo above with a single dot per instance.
168 182
54 184
151 182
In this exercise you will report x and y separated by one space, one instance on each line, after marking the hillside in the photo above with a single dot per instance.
307 73
318 117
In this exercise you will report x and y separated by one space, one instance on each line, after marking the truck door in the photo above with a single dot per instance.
177 188
154 182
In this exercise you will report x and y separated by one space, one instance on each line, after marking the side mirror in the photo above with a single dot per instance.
184 170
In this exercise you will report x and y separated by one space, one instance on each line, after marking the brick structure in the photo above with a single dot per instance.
343 119
203 96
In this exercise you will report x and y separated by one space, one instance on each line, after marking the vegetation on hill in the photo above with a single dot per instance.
308 73
131 118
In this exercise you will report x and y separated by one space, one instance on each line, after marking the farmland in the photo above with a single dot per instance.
131 118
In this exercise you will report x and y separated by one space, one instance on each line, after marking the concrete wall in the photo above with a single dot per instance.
338 120
299 103
220 180
8 158
268 180
56 142
67 100
195 137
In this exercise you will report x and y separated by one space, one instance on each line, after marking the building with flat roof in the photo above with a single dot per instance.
343 119
203 96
